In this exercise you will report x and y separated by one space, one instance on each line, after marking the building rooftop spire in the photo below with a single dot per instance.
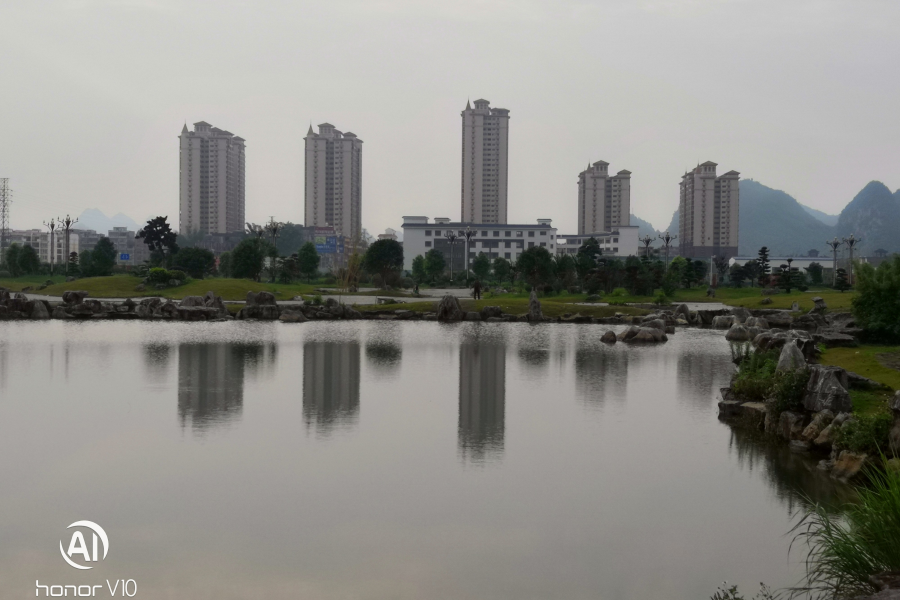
184 129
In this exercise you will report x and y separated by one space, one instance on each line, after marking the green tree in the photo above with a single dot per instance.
877 303
224 267
29 261
85 263
289 268
536 266
502 269
737 274
762 266
814 270
103 258
590 249
419 274
11 259
383 257
247 258
196 262
841 283
434 263
481 266
308 260
159 237
787 277
73 263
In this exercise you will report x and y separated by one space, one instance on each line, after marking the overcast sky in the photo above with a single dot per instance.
799 95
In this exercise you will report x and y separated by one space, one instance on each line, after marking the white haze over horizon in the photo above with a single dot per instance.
799 95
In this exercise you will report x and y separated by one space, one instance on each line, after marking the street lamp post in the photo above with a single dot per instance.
851 242
834 245
468 234
52 226
646 240
67 224
667 242
451 239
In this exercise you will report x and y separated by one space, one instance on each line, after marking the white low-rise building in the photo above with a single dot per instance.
496 240
621 241
40 241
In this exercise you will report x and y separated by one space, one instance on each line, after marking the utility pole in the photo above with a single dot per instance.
52 227
851 242
67 224
5 201
667 242
834 245
646 240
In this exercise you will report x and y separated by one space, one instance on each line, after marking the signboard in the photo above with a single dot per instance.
124 257
328 244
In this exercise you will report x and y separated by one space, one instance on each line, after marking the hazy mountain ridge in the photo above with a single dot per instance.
830 220
874 216
92 218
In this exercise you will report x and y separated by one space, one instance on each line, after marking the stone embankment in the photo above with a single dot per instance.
826 405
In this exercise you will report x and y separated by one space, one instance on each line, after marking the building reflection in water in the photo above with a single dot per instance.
601 372
701 373
482 399
211 381
330 385
156 361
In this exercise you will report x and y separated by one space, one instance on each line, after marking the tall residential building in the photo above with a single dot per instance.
485 163
604 202
708 213
333 185
211 180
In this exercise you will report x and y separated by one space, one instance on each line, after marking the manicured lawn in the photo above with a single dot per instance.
29 281
123 286
868 361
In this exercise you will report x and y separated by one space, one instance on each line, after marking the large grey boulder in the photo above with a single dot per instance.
212 301
292 316
790 425
819 305
781 319
682 310
833 339
791 358
609 337
738 333
191 301
491 311
759 322
895 402
827 390
448 309
266 299
534 308
848 465
473 316
740 314
722 321
817 425
646 335
629 333
37 310
60 313
655 324
74 297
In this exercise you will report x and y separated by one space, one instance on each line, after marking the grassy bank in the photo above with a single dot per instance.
551 307
123 286
869 361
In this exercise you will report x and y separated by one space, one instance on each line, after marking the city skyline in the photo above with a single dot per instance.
663 122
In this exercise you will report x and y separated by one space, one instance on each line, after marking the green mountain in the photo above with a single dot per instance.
874 216
822 216
644 228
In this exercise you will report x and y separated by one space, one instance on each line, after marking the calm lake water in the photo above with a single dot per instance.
385 460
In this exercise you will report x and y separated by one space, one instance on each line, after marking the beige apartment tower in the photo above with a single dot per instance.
604 201
211 180
708 212
333 181
485 158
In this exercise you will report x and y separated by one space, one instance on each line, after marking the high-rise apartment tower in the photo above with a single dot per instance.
211 180
604 202
708 213
485 154
333 185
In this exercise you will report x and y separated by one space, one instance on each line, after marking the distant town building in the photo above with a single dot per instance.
495 240
621 241
87 239
708 213
485 154
389 234
211 180
40 241
129 250
604 201
333 180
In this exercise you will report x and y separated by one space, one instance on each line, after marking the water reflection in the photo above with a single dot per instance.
601 372
700 374
156 361
330 384
210 381
383 352
482 398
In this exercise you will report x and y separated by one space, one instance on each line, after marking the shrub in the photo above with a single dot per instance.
846 550
787 390
317 300
158 275
406 283
877 302
619 292
329 279
178 275
5 275
661 299
753 381
865 433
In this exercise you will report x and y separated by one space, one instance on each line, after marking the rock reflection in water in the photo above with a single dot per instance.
383 351
330 384
482 398
700 374
211 381
601 372
156 361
